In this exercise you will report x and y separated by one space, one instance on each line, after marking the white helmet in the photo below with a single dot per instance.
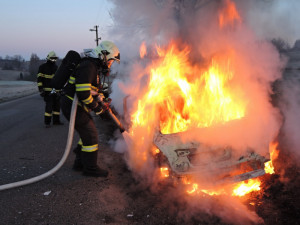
106 51
52 56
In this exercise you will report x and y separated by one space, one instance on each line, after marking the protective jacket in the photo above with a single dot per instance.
45 74
85 82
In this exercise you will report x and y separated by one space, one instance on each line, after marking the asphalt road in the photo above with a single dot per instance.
27 147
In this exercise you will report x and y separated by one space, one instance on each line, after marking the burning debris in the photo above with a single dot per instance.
198 103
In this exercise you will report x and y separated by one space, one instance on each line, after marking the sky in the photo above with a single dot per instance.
41 26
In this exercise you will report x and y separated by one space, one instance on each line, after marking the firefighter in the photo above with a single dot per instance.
51 96
85 82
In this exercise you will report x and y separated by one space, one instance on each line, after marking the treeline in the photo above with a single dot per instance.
30 67
18 63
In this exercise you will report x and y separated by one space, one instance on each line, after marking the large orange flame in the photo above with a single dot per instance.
184 96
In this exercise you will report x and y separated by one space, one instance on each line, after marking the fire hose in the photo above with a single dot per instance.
61 162
67 149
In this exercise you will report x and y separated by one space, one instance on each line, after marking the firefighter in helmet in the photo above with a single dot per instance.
85 81
51 96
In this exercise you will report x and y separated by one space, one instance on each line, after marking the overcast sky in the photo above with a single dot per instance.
40 26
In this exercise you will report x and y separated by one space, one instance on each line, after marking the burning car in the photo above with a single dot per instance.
204 111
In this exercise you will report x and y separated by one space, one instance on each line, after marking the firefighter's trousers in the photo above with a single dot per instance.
52 108
84 125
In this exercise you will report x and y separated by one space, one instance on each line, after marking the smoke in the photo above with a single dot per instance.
273 18
279 19
255 62
290 106
136 21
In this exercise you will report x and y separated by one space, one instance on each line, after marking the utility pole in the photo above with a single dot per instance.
96 29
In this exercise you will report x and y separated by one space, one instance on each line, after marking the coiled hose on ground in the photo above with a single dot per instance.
61 162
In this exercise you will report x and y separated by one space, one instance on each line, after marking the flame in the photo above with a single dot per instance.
239 189
164 171
177 89
269 168
143 50
156 151
229 14
274 152
194 189
246 187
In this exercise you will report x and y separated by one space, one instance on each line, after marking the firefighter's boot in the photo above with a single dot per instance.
56 120
77 166
47 120
90 167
